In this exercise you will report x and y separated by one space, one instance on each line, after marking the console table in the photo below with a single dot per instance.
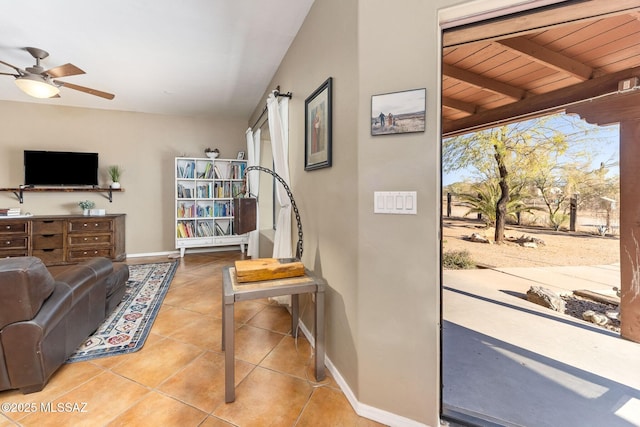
232 291
63 239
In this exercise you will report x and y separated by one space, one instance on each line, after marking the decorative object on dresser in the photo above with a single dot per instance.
9 211
114 172
86 206
204 192
63 239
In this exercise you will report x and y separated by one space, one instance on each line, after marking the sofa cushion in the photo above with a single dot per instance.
25 283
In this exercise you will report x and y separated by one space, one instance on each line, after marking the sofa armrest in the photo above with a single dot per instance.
25 358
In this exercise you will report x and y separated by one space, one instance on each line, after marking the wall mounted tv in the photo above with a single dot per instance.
60 168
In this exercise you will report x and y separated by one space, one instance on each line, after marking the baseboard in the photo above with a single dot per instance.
171 254
367 411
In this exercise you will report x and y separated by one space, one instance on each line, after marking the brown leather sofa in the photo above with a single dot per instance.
45 314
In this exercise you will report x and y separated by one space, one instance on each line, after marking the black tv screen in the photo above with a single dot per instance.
60 168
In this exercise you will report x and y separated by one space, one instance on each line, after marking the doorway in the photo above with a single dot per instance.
501 366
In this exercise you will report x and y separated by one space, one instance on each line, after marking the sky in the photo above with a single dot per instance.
410 101
608 152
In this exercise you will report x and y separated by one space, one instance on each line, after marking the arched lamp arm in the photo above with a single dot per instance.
293 203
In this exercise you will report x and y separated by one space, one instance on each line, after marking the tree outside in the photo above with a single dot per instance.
549 158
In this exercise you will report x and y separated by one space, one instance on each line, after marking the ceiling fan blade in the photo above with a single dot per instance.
13 66
9 74
64 70
85 89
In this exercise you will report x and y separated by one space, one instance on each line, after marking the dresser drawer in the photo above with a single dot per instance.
90 225
7 253
49 256
45 226
13 242
79 254
14 227
47 241
89 239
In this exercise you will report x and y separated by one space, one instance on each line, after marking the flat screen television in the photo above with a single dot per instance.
60 168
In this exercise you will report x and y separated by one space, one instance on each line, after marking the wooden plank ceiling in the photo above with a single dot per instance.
537 63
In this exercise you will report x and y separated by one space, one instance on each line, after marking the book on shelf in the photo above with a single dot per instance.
224 227
185 229
187 170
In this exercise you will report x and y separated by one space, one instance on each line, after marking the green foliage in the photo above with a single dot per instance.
114 172
457 260
484 196
86 204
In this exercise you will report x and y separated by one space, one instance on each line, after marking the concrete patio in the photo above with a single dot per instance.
510 362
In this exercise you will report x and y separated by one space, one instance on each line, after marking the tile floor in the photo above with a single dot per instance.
177 378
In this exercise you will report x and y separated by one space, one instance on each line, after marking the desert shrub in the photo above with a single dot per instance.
457 260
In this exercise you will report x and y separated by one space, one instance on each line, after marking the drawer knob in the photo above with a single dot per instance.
8 227
85 225
85 239
8 242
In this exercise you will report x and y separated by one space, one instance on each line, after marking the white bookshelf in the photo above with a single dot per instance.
204 192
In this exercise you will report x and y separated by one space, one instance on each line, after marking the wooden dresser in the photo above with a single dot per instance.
63 239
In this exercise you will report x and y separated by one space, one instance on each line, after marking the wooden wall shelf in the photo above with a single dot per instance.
106 192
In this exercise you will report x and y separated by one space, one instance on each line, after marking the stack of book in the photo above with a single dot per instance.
9 211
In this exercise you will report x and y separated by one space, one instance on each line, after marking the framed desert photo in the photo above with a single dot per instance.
317 126
398 112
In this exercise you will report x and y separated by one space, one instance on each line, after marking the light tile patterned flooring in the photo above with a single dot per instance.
177 378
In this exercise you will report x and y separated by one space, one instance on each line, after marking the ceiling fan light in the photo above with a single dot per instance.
36 87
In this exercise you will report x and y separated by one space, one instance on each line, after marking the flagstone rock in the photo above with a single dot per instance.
546 298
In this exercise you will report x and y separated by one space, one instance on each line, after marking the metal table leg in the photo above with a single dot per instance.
319 336
228 345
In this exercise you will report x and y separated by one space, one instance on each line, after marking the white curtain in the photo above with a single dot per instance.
278 129
253 185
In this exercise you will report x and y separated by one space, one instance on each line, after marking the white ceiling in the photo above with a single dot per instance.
186 57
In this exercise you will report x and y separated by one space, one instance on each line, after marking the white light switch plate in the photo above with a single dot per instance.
395 202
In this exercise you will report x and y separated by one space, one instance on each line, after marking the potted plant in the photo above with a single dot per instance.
114 172
86 205
211 153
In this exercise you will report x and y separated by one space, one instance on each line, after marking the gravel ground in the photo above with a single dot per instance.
583 247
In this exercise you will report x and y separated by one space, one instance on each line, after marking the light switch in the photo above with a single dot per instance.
399 202
395 202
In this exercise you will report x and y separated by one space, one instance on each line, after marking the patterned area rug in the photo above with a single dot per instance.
127 327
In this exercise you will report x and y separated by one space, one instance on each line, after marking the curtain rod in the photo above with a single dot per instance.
264 110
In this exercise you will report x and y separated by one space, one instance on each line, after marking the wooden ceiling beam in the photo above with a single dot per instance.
537 105
548 57
465 107
483 82
531 21
609 109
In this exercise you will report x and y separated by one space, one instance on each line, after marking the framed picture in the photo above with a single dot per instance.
240 155
317 128
398 112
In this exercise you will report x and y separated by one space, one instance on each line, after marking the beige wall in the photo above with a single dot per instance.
383 271
399 267
143 144
327 198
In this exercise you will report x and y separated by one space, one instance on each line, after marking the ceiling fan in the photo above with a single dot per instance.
39 83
